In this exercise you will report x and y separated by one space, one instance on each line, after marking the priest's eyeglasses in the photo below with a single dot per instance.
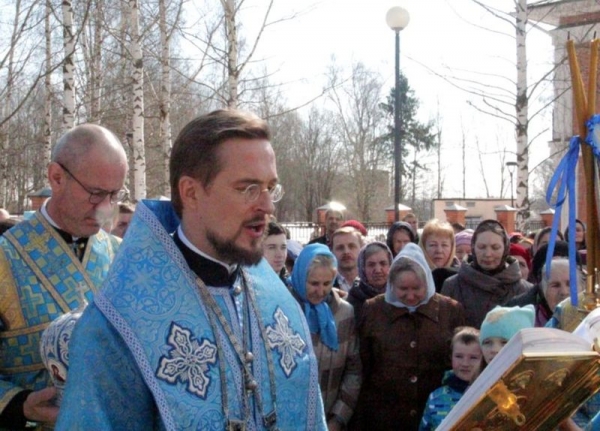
253 191
98 196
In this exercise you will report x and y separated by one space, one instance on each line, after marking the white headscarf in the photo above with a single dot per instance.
413 252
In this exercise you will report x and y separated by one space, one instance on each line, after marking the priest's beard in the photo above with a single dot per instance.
229 252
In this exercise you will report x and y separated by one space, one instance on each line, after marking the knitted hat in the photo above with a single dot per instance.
504 322
519 250
356 225
464 237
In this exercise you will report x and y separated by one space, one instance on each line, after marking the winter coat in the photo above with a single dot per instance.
535 297
404 356
357 296
479 292
340 372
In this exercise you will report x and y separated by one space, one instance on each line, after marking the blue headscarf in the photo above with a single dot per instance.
320 318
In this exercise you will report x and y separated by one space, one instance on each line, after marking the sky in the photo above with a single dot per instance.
442 36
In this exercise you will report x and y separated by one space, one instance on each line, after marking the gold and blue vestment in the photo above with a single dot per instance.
40 279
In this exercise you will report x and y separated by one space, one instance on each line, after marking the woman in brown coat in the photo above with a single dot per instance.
404 345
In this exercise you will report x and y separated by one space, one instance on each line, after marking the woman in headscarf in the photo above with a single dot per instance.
331 323
399 234
579 235
535 295
404 345
542 237
492 278
374 261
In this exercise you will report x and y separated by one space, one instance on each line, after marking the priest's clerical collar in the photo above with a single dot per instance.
212 271
66 235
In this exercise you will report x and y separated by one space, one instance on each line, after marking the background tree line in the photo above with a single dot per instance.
144 68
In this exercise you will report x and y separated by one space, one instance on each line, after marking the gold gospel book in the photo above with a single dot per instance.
536 381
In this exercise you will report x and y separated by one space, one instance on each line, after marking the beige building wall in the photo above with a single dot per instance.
477 209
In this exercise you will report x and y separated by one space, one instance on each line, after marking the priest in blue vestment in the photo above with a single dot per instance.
193 330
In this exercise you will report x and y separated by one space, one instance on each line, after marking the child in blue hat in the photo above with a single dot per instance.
499 326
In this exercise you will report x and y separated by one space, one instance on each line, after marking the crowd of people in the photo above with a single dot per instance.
208 316
419 302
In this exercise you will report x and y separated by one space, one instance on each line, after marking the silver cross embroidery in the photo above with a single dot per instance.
188 361
287 342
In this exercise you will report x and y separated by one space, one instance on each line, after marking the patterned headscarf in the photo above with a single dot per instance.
370 248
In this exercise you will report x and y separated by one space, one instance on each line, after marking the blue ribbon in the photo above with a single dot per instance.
564 179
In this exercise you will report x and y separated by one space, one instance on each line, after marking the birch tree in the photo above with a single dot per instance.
233 54
92 41
68 66
511 105
165 87
522 113
139 151
48 85
233 70
9 91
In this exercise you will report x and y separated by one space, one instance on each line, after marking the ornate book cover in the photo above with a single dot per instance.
536 381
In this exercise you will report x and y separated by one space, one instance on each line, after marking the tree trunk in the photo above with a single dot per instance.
229 8
97 71
91 46
139 156
68 66
521 106
165 95
7 103
48 88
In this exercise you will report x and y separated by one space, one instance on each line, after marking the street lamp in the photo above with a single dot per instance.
397 18
511 170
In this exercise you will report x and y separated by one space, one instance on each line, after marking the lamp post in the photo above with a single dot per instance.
511 170
397 19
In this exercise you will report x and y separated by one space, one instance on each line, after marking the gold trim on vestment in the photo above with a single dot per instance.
37 270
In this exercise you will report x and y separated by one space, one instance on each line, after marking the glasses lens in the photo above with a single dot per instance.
276 193
118 196
252 192
96 198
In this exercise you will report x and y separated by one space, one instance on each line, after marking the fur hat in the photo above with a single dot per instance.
464 237
504 322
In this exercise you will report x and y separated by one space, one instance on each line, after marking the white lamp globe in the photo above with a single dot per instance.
397 18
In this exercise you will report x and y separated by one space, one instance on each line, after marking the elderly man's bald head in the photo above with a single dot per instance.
88 161
81 141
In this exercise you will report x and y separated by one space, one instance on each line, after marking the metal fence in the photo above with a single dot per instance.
303 232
